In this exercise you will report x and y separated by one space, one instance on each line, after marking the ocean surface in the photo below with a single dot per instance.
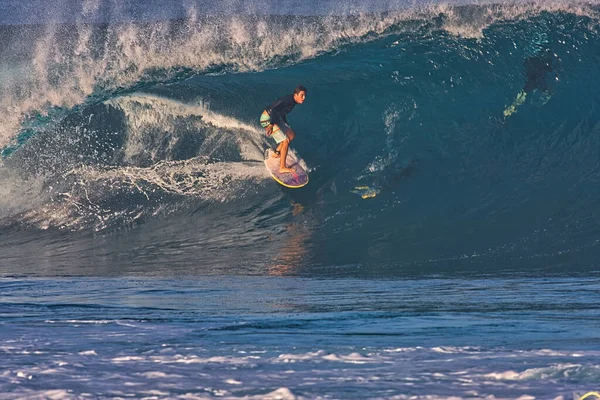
447 245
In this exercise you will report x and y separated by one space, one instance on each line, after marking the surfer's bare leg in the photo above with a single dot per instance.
277 152
285 145
284 150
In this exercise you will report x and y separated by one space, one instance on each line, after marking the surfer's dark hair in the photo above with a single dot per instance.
299 89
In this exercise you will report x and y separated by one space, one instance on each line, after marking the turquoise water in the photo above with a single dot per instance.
443 247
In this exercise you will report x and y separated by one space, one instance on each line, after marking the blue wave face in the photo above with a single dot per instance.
449 137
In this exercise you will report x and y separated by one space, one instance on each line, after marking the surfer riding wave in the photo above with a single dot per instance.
273 119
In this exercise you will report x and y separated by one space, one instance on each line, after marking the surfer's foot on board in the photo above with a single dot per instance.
285 170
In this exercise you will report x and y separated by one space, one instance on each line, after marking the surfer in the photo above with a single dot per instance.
273 119
536 68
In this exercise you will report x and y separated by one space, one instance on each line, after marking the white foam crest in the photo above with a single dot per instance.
88 353
455 350
17 195
79 209
193 359
71 62
192 177
301 357
159 375
89 8
125 359
64 72
146 112
58 394
279 394
82 321
403 349
551 372
158 393
472 24
52 371
352 358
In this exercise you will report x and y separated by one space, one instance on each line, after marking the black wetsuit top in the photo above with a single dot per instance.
280 108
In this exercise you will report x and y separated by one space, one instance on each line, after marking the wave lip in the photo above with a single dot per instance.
64 65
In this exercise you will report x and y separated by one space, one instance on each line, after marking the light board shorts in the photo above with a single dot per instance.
279 130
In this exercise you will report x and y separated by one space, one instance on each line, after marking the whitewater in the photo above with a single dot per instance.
446 246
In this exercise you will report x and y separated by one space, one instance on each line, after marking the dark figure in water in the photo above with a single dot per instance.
537 69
